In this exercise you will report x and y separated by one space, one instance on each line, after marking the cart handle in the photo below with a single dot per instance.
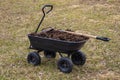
43 9
44 14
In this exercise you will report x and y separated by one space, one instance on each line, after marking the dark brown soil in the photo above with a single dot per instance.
59 35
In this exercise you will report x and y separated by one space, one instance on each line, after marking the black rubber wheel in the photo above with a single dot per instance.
78 58
49 54
34 58
65 65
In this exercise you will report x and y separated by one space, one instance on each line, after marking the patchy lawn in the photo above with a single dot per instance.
98 17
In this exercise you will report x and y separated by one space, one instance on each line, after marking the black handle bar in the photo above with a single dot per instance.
44 13
51 7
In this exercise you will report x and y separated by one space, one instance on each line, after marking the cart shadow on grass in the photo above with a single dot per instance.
50 44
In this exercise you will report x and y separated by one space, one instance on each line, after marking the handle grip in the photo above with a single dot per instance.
103 38
43 9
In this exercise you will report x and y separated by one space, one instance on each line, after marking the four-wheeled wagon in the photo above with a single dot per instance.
53 41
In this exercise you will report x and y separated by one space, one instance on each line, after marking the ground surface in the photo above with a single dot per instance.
98 17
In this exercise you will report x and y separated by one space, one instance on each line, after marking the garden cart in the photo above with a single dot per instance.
52 41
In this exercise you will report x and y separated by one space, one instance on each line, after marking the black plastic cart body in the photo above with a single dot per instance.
41 43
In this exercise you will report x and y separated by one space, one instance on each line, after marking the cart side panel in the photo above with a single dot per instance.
54 45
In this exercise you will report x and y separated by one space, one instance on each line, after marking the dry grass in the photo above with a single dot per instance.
98 17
